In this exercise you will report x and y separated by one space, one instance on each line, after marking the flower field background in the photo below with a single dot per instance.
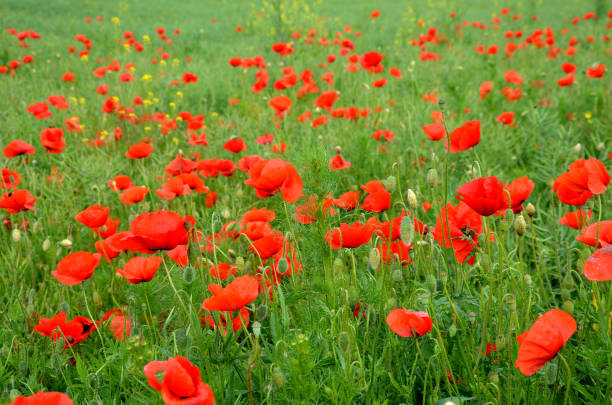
305 202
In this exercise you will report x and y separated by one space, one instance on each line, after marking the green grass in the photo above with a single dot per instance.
308 347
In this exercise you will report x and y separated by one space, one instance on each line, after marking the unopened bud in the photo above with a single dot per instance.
432 178
256 329
406 230
46 245
500 342
225 213
374 259
530 210
277 377
452 331
577 148
397 275
283 265
338 266
16 235
390 183
568 306
412 199
240 263
511 302
66 243
188 274
431 283
568 282
520 226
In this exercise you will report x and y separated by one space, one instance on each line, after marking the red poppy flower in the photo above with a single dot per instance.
120 182
108 229
395 72
267 177
576 219
179 255
133 194
58 102
485 88
464 137
407 323
139 151
464 226
601 230
506 118
222 271
172 188
239 293
265 139
434 131
378 199
180 165
76 267
326 100
160 230
379 82
256 214
516 193
485 195
9 179
375 14
568 67
338 163
40 111
235 145
541 343
598 267
139 269
349 236
371 61
566 81
242 318
348 200
513 77
17 201
281 104
268 245
94 216
181 383
53 140
585 178
44 398
68 77
18 147
120 325
596 72
214 167
395 251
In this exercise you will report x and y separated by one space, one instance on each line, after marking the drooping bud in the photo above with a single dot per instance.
413 203
16 235
406 230
338 266
390 183
374 259
66 243
431 283
511 302
520 226
188 274
432 178
530 210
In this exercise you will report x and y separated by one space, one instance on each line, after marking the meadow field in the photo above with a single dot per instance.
293 201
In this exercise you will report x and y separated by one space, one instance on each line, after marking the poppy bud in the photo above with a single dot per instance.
530 210
432 178
600 146
188 274
528 280
277 376
507 219
65 307
338 266
406 230
256 329
568 282
344 342
566 294
443 277
240 263
577 148
16 235
452 331
66 243
397 275
46 245
390 183
391 303
431 283
520 226
511 302
551 372
484 262
96 298
261 312
500 342
37 227
568 306
231 253
374 259
493 378
225 213
412 199
283 265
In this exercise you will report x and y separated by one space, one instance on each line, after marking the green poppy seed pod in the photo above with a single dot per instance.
551 372
493 378
374 259
283 265
261 312
16 235
506 220
240 263
66 243
225 213
231 253
568 306
406 230
484 262
338 266
530 210
257 329
431 283
411 197
188 274
46 245
528 280
511 302
520 226
391 304
452 331
397 275
568 282
390 183
566 294
432 178
277 376
500 342
344 342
